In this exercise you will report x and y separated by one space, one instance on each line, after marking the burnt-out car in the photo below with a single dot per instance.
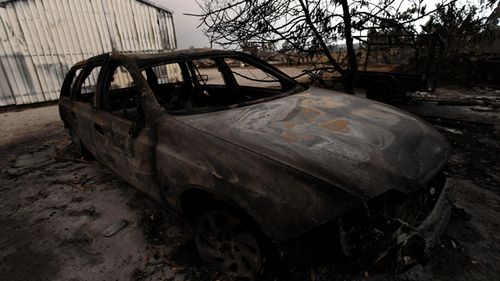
249 155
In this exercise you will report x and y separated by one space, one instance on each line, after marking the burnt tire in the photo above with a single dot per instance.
227 245
381 90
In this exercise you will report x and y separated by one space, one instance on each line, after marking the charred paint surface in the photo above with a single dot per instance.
362 146
284 202
291 163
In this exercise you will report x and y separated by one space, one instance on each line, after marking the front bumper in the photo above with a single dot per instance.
415 243
377 241
396 227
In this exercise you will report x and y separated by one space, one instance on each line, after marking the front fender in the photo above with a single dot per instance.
285 203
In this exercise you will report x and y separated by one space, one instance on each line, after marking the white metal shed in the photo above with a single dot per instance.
41 39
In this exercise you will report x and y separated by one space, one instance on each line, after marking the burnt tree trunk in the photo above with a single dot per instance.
324 47
350 75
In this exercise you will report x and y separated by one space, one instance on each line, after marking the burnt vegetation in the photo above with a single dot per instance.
323 33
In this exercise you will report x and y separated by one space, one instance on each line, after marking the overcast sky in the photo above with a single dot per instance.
186 26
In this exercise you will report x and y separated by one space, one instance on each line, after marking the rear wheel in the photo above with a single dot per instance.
226 245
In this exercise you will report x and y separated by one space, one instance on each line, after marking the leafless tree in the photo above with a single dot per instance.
309 26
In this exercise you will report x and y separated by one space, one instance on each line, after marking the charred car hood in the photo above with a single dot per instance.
356 144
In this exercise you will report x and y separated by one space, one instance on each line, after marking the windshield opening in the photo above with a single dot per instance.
216 83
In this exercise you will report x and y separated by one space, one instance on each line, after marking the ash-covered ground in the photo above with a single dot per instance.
63 217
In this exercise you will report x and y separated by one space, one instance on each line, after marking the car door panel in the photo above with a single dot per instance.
111 144
129 156
132 158
142 164
81 115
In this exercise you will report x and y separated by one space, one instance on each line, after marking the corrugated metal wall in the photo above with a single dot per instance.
41 39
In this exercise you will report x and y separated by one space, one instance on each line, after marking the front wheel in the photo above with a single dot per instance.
226 245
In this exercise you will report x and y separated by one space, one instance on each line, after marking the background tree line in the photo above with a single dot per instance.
315 27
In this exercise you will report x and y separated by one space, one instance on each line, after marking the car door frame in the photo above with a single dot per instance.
126 146
82 113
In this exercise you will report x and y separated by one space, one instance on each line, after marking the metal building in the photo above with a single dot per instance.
41 39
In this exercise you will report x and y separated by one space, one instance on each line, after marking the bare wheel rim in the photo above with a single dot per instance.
226 245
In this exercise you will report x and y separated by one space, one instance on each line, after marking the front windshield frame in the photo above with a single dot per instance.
289 85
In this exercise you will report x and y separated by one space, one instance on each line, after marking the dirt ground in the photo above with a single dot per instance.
65 218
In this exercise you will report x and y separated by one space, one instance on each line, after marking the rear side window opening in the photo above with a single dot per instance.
213 84
84 87
120 94
70 81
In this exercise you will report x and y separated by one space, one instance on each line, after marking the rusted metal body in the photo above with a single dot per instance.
41 39
291 161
